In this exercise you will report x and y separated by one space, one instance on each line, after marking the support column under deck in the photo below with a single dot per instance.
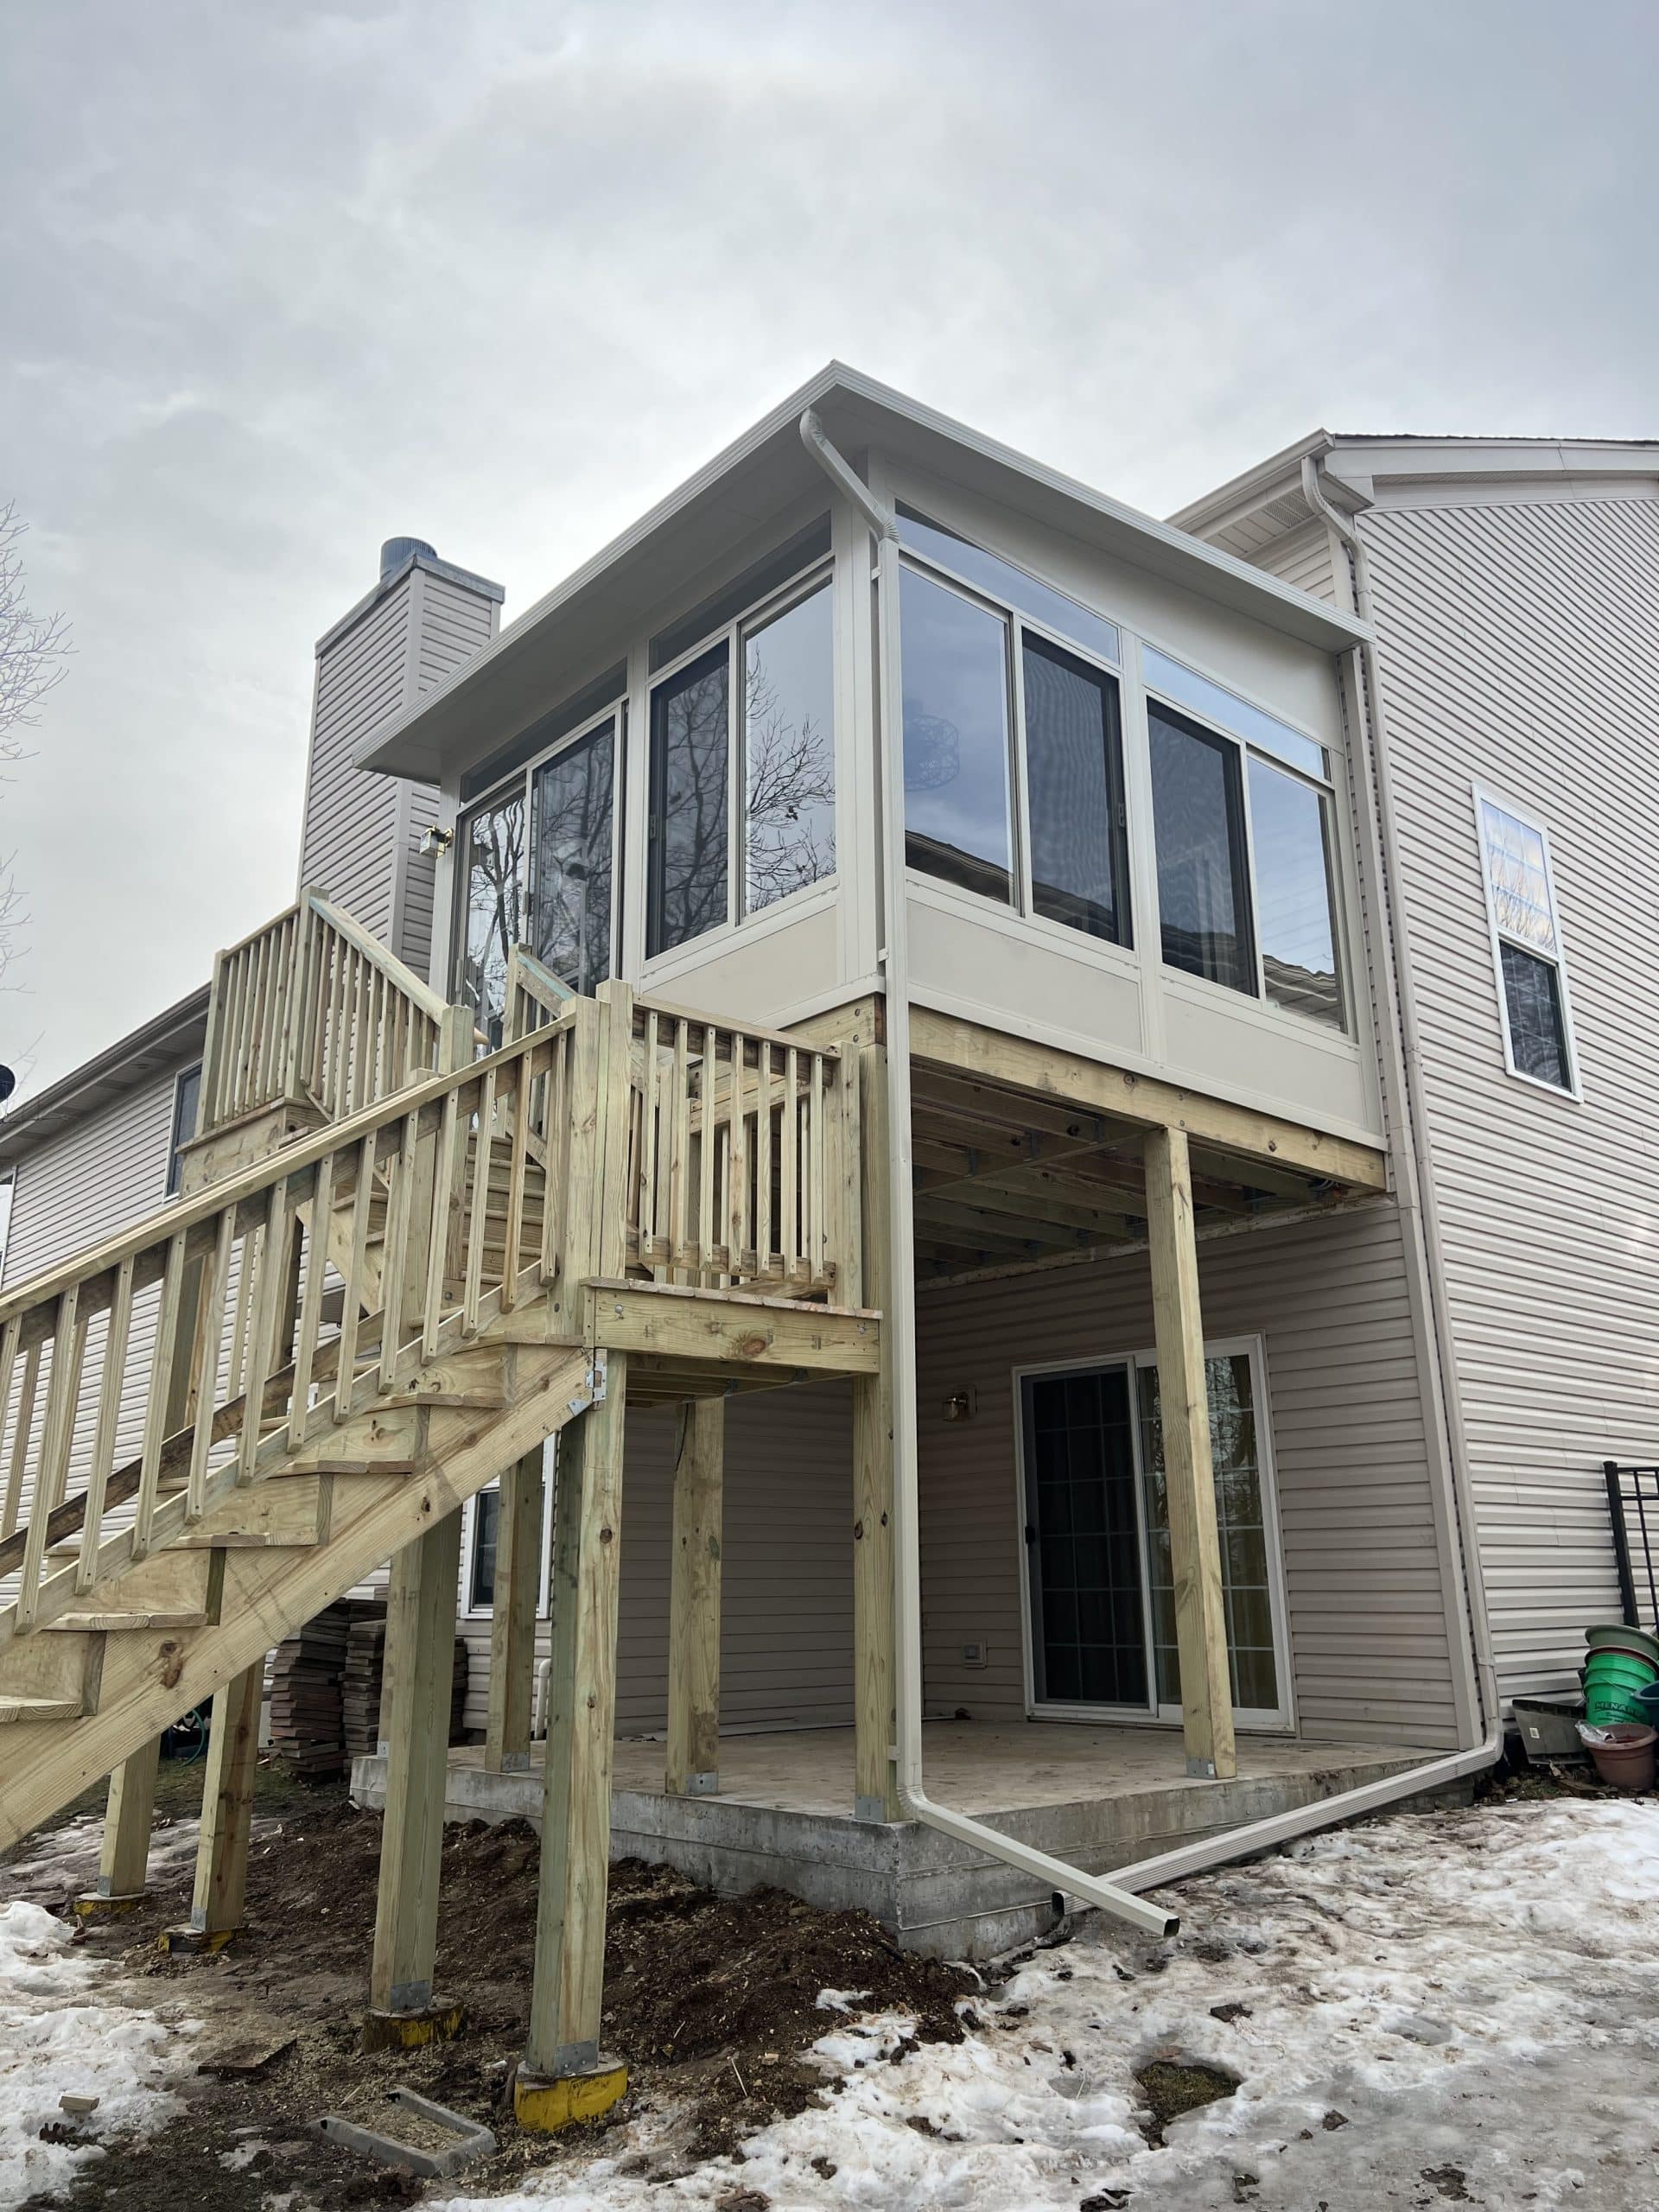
563 2076
693 1763
414 1739
512 1616
124 1856
1189 1474
875 1785
216 1905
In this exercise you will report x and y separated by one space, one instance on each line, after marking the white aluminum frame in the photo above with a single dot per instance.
818 575
1479 793
1250 1720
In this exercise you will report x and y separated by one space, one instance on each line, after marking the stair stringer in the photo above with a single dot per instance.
147 1679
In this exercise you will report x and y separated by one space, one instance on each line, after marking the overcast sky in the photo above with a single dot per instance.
278 282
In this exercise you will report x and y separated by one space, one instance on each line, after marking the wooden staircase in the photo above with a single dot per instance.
394 1270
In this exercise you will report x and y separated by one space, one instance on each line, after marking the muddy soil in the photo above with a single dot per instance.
712 2001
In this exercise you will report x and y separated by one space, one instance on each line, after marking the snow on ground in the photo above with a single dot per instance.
56 2037
1452 2006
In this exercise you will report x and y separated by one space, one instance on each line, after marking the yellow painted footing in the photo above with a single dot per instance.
437 2023
195 1939
96 1907
548 2106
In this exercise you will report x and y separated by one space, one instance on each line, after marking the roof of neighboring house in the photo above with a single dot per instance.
132 1060
550 650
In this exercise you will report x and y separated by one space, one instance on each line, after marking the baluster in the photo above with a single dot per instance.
270 1312
518 1156
737 1164
356 1262
246 1275
679 1187
317 1267
20 1434
8 1340
204 1381
361 1033
814 1121
57 1435
111 1388
161 1371
477 1221
788 1192
707 1076
763 1157
443 1184
648 1144
397 1252
556 1174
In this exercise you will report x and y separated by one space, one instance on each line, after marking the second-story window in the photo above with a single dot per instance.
1242 823
1525 946
186 1102
1013 772
742 769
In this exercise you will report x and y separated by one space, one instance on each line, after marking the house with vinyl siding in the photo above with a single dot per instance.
1184 838
1513 586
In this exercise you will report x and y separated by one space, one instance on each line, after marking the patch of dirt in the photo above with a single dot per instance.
1449 2181
711 2000
1172 2088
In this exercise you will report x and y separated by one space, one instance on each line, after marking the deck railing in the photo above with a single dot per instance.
314 1009
144 1380
744 1150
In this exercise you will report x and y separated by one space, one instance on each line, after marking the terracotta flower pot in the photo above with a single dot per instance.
1624 1753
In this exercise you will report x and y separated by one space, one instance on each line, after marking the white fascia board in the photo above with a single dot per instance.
1395 462
497 693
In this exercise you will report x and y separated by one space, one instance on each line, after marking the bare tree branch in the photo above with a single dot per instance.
33 649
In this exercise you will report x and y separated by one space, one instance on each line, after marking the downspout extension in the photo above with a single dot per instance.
899 1319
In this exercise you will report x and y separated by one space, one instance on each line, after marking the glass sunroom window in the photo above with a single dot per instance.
1295 893
1198 809
571 860
690 746
1074 776
492 915
789 760
957 738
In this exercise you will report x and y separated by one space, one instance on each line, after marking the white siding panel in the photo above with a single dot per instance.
1370 1654
1519 645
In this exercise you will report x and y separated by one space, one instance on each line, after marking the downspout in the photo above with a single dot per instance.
898 1320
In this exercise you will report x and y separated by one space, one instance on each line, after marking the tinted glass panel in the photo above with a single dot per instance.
956 687
1198 823
1246 1590
1519 875
1074 770
1089 1623
757 582
486 1513
1296 910
789 718
1053 609
570 900
1191 689
1537 1032
689 751
492 919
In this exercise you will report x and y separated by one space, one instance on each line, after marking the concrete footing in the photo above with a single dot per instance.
97 1907
196 1940
435 2022
547 2103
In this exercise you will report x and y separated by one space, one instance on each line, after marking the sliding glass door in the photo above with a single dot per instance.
1100 1594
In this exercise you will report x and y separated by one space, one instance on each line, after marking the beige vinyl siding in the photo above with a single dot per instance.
1520 646
1303 557
1366 1609
786 1625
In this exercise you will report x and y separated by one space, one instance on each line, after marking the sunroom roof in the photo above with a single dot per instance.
548 648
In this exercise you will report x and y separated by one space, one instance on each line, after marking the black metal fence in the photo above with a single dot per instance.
1633 1507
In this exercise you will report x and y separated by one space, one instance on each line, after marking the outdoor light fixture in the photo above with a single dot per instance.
437 841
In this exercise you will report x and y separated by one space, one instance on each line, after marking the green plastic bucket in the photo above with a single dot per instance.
1613 1682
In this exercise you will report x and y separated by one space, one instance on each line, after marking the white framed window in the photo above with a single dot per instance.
186 1104
1528 956
481 1524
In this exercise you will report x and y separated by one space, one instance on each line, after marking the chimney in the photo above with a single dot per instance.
360 835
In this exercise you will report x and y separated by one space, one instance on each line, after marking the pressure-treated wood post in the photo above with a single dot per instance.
1188 1475
123 1857
563 2076
875 1795
512 1617
693 1767
226 1815
413 1741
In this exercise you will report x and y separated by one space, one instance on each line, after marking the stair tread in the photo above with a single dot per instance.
15 1709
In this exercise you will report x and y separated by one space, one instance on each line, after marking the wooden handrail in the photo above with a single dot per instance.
380 956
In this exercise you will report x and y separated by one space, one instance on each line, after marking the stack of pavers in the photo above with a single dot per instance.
307 1724
361 1685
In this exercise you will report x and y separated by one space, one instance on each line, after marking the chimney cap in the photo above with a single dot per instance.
397 550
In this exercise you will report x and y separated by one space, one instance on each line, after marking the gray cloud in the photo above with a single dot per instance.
276 284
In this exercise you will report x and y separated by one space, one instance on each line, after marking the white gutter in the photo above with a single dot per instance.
1115 1893
899 1318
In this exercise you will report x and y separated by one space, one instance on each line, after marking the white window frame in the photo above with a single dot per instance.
1331 796
523 781
468 1533
1483 794
1019 904
1249 1720
177 1139
733 637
